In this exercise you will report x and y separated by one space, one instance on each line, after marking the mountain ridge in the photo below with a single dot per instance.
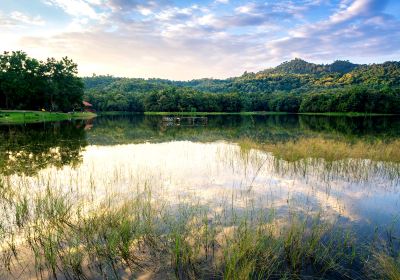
293 86
293 75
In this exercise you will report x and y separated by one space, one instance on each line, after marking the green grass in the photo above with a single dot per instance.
213 113
17 117
118 113
59 238
388 266
350 114
328 149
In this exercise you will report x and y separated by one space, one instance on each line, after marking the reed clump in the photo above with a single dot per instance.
333 150
51 235
388 266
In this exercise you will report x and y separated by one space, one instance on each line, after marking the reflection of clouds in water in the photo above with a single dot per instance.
220 173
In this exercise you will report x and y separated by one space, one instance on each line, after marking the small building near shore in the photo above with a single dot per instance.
87 107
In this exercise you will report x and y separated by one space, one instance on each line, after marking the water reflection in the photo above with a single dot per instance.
348 167
28 149
71 179
212 173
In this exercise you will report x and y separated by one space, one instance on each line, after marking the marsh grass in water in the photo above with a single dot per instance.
328 149
321 160
388 267
52 235
276 207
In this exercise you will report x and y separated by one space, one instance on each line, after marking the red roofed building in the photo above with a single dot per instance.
87 106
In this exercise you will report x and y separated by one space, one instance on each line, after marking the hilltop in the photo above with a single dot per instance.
293 86
300 66
296 75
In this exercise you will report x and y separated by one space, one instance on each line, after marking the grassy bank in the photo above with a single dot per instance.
349 114
16 117
118 113
213 113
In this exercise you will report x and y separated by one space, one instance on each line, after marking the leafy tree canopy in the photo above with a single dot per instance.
292 86
27 83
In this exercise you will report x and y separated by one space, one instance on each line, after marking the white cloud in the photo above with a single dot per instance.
18 19
245 9
356 8
157 39
76 8
358 30
145 11
23 18
78 25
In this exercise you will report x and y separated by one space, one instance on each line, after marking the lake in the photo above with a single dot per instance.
324 190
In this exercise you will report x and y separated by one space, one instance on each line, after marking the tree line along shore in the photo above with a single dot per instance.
52 88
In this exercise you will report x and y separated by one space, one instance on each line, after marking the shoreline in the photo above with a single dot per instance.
347 114
23 117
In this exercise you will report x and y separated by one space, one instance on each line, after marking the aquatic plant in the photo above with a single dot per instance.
56 235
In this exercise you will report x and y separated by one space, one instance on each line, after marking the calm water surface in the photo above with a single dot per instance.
245 161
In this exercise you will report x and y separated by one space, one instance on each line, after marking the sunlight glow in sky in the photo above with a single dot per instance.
197 39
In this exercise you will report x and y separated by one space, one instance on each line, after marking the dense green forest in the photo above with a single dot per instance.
29 84
294 86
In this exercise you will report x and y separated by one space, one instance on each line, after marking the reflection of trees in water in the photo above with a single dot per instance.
28 149
112 130
126 129
388 126
327 148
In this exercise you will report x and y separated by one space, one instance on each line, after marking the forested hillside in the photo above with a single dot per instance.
293 86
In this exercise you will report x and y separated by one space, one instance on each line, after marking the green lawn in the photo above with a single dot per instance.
15 116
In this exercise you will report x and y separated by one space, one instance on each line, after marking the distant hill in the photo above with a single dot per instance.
293 86
300 66
297 76
385 74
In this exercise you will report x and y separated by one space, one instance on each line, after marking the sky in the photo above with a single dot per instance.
184 40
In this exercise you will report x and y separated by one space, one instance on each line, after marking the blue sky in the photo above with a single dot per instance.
196 39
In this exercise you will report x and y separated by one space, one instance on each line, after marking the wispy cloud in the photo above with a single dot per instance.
18 19
358 29
76 8
214 38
